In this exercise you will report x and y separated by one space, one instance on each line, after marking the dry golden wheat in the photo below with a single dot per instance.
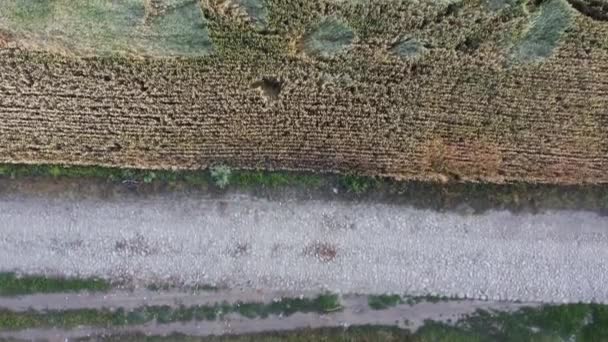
462 109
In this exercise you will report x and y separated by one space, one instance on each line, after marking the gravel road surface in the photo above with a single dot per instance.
345 247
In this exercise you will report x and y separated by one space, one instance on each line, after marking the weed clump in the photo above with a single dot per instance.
382 302
409 48
221 175
328 39
542 37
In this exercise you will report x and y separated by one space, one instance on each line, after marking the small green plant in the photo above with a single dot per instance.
358 184
149 177
55 171
221 175
383 301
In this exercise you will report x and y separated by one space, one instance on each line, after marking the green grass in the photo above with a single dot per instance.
383 301
10 320
576 322
12 285
108 27
478 196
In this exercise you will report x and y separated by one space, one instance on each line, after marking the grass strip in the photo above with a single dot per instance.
477 197
382 302
573 322
385 301
10 320
13 285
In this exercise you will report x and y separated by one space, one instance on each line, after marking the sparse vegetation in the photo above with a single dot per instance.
10 320
380 302
13 285
576 322
358 184
478 196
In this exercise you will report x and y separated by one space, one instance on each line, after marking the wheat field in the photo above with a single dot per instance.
464 90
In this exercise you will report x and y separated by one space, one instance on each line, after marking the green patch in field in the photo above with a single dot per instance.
257 12
409 48
100 27
328 38
29 14
498 5
546 29
13 285
180 31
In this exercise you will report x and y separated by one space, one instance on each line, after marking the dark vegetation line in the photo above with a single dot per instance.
10 320
477 196
13 285
385 301
574 322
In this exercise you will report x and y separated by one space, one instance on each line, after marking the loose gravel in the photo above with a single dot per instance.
345 247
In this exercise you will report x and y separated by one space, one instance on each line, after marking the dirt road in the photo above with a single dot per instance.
240 241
